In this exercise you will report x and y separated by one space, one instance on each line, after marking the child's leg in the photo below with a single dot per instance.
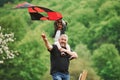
68 47
58 45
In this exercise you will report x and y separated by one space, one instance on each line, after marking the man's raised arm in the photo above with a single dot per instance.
47 44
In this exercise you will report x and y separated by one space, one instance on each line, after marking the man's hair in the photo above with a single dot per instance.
64 35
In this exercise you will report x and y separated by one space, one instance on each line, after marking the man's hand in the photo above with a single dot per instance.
48 45
43 35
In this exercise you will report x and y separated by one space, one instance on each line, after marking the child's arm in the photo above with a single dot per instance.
68 47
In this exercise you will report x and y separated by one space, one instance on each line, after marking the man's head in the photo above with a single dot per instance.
63 40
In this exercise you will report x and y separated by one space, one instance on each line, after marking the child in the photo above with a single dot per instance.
60 28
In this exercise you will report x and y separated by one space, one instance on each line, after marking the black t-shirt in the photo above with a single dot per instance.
59 63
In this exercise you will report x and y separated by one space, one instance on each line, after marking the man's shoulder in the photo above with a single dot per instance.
54 45
54 49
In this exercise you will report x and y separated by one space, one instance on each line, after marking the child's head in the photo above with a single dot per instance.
60 24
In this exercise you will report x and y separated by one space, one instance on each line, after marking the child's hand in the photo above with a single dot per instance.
62 50
72 57
63 54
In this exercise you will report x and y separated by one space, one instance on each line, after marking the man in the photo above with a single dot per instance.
59 63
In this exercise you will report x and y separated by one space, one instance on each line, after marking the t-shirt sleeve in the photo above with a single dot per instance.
53 49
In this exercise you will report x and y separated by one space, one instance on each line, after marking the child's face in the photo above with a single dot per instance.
59 25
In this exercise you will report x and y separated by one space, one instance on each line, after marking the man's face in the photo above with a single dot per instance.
63 41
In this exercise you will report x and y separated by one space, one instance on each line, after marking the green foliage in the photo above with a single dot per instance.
10 23
83 62
33 51
5 50
28 66
106 61
106 28
90 22
109 9
2 2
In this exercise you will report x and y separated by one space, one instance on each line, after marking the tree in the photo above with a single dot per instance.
106 28
106 60
29 65
2 2
5 51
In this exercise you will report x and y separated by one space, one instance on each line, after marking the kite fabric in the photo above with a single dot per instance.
36 12
24 5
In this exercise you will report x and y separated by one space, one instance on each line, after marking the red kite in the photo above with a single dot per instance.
36 12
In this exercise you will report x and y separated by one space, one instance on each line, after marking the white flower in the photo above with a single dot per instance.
11 56
1 35
6 48
10 39
0 40
3 57
8 52
4 42
1 51
1 62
